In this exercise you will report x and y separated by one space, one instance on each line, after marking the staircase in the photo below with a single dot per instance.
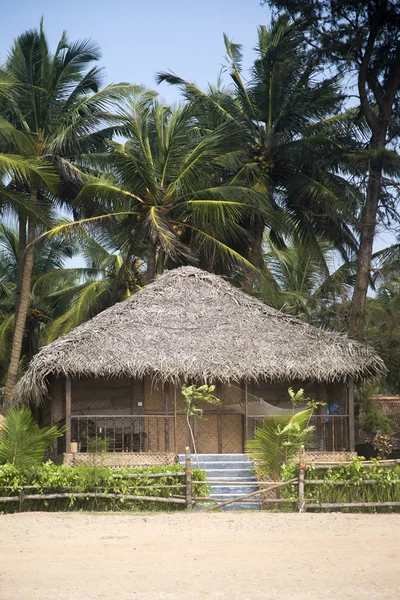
229 476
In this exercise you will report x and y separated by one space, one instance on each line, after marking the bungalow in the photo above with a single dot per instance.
118 377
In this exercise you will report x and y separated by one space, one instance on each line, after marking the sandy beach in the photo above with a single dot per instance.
191 556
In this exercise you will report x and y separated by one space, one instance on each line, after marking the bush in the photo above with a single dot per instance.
50 478
385 489
22 442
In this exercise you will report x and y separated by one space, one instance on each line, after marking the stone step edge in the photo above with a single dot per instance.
236 462
231 495
224 482
223 454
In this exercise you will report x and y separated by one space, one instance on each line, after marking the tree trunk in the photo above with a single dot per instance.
20 318
21 260
119 280
378 123
255 255
151 261
368 225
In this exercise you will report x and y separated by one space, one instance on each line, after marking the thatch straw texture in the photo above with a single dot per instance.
192 325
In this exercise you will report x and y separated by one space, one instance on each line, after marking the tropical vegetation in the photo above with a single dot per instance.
94 488
279 179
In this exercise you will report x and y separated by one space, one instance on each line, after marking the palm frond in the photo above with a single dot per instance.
22 442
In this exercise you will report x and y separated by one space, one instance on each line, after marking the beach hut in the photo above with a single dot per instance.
118 376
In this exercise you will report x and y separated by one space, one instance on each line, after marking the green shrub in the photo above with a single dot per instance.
386 486
22 442
50 478
277 440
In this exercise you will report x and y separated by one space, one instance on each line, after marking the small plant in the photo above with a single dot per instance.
98 444
276 442
382 445
22 442
298 399
193 396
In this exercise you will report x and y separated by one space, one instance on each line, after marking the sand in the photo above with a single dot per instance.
191 556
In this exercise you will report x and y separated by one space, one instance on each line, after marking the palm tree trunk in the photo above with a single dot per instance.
368 225
20 317
255 255
151 261
21 259
119 279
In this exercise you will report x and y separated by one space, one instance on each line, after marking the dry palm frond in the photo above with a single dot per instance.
191 325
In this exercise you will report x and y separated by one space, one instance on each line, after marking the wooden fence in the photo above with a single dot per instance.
188 500
99 493
301 481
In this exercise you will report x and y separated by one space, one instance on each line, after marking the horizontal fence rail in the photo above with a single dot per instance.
122 433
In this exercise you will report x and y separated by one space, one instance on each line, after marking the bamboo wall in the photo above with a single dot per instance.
220 430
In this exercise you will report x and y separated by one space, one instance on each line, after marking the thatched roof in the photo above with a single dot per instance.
193 325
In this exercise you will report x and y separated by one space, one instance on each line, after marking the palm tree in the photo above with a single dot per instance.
52 113
61 297
165 187
108 277
49 279
277 440
305 282
277 115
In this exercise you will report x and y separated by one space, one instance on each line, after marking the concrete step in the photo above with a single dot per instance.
238 464
236 506
240 481
229 476
217 458
233 473
238 490
229 493
232 490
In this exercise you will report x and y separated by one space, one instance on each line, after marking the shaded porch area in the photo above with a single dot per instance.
137 416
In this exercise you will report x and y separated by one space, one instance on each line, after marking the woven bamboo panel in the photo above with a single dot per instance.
120 459
182 434
153 396
206 434
57 391
232 434
102 396
323 457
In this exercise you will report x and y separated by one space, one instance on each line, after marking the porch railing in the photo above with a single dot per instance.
123 433
331 432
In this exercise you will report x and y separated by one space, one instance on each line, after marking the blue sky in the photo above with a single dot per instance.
139 38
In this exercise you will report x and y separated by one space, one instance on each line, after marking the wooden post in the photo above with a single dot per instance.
188 478
219 418
352 433
175 420
246 414
302 470
68 414
166 406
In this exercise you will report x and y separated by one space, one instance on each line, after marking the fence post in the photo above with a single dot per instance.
188 478
302 469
